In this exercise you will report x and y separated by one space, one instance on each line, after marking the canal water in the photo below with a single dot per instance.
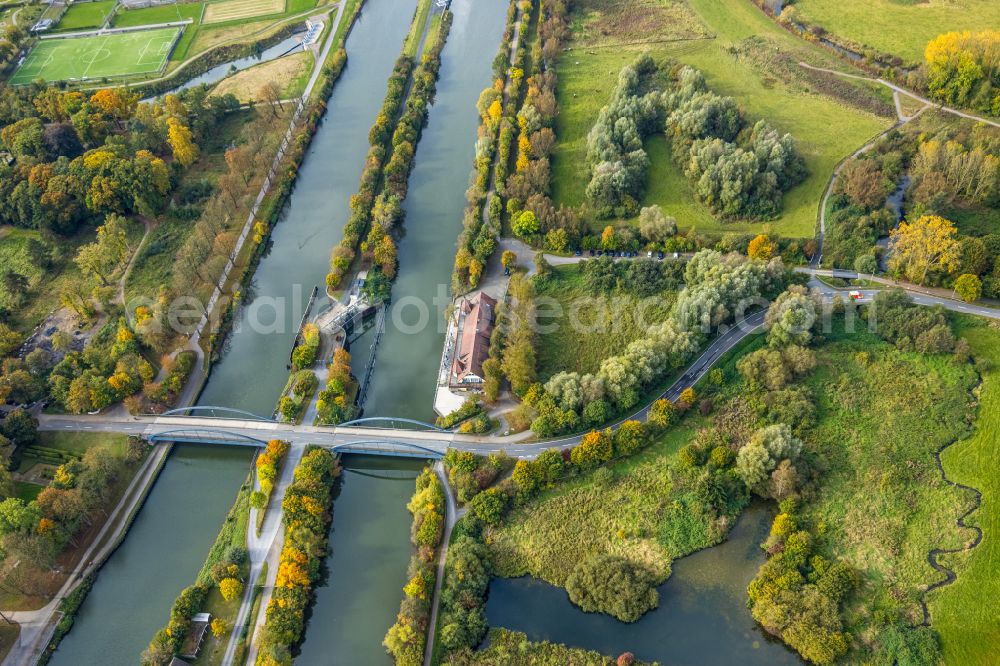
409 354
702 617
174 530
253 369
366 569
161 555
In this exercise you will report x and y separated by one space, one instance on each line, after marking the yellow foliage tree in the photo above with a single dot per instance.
761 247
230 588
219 627
181 142
918 247
496 110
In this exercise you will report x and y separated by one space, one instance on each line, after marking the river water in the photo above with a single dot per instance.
702 617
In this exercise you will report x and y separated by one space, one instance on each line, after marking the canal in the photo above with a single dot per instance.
161 555
702 617
173 531
409 354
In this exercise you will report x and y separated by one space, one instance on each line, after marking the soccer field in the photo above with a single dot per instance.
114 54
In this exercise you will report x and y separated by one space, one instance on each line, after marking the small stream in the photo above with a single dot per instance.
893 202
292 44
702 617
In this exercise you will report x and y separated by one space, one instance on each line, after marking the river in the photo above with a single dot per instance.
702 617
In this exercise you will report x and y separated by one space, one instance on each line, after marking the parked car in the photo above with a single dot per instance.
660 256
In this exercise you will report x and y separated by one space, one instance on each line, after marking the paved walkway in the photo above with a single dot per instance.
261 547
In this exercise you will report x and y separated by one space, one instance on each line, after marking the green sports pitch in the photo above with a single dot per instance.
97 56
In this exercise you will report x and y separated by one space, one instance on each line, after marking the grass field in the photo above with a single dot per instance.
128 18
964 612
613 323
898 27
236 10
115 54
583 517
83 15
607 34
290 72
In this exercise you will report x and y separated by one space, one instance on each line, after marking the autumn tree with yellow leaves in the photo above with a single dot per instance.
181 142
929 244
963 68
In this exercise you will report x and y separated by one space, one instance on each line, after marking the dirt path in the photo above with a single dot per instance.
903 91
148 228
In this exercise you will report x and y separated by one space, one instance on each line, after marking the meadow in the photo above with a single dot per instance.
873 492
901 28
713 36
609 323
82 15
964 612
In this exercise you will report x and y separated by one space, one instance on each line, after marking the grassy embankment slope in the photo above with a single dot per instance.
608 34
901 28
964 612
290 72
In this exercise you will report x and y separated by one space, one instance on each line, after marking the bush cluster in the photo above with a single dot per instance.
332 406
797 593
739 170
618 162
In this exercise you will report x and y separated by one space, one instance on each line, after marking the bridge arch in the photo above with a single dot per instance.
390 420
240 415
388 447
205 436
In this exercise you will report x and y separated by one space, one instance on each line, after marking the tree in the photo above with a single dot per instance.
928 244
608 240
508 259
791 317
489 506
219 627
654 226
270 94
662 413
20 427
968 287
9 339
230 588
629 438
761 247
866 264
100 258
526 224
181 142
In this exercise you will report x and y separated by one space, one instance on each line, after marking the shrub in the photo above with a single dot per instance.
612 585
